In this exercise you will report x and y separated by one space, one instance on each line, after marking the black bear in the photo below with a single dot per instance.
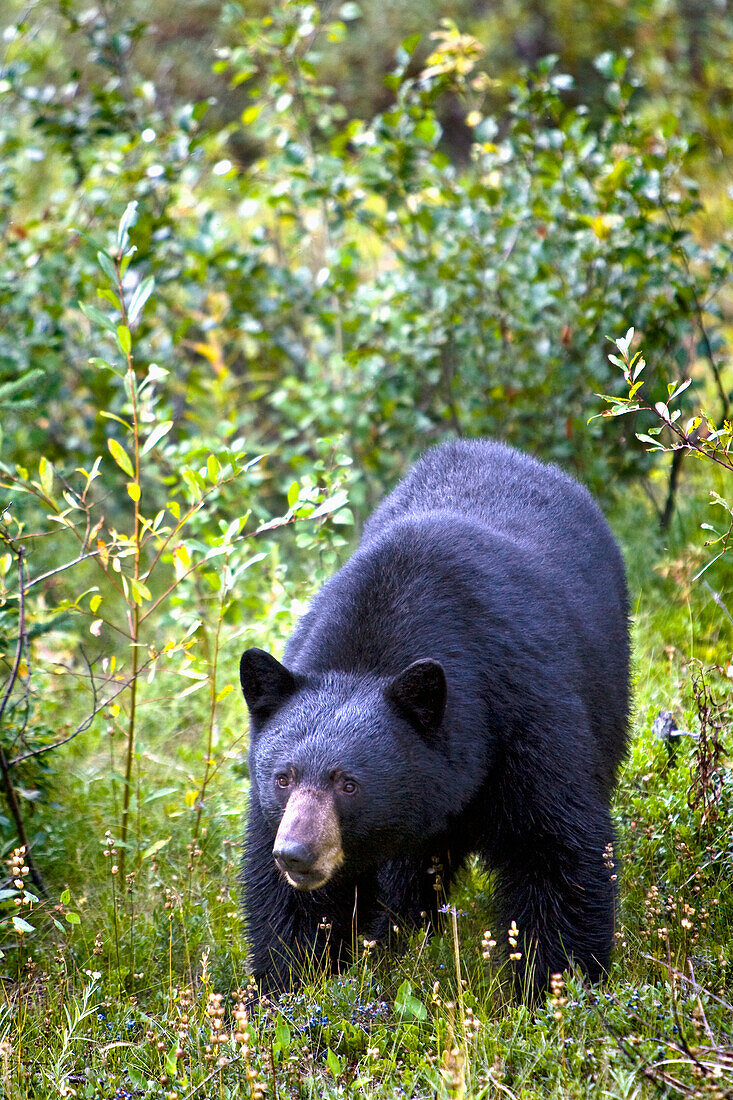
460 686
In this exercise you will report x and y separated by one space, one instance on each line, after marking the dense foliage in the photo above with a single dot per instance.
222 334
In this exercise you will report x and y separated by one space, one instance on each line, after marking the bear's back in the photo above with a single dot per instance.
512 494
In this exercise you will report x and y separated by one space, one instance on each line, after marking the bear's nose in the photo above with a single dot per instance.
292 855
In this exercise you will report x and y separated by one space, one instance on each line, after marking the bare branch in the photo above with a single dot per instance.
89 718
7 783
60 569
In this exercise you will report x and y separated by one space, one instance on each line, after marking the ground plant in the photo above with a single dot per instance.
223 336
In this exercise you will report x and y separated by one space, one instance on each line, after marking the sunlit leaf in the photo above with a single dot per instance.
119 454
158 433
139 298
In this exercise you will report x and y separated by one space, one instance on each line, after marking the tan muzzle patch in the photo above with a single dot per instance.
310 820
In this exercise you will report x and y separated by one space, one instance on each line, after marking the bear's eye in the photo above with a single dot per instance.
349 786
282 780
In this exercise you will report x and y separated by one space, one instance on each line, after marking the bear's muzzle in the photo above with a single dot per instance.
308 847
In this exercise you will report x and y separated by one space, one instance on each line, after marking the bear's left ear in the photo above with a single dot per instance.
419 693
266 684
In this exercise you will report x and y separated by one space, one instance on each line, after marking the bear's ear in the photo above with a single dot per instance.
266 684
419 693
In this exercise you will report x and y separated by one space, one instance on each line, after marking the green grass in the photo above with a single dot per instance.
127 989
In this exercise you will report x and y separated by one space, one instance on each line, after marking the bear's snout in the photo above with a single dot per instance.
292 856
307 847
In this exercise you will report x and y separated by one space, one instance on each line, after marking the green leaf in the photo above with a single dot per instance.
97 317
125 261
73 918
409 44
282 1034
155 847
65 897
344 516
124 339
22 926
110 297
293 494
679 388
119 454
331 504
139 298
158 432
118 419
127 220
171 1062
213 469
102 364
334 1063
407 1005
105 262
140 591
7 389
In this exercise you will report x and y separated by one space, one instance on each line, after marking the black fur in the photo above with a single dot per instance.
500 575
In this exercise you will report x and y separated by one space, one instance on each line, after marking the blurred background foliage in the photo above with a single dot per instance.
460 256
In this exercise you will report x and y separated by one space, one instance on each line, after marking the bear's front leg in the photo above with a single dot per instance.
282 923
413 890
295 933
561 895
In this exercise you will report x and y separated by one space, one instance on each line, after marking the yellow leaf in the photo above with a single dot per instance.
181 560
45 470
601 227
207 351
190 798
23 669
119 454
103 553
124 339
140 591
94 603
224 692
133 490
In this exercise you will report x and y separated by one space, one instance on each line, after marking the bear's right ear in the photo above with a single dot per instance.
266 684
420 693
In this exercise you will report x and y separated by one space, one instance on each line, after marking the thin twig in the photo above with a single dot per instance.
684 978
706 1025
231 1061
85 724
60 569
7 782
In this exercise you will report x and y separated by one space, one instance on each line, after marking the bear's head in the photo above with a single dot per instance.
345 768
